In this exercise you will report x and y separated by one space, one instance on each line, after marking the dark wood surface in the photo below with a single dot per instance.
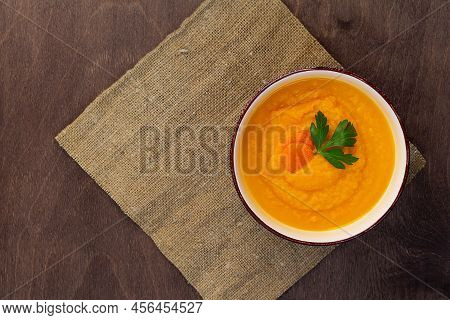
57 56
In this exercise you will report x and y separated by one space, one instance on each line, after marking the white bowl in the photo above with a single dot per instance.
368 220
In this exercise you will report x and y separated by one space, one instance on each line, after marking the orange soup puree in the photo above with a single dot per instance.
309 193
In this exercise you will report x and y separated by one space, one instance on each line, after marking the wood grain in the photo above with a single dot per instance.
57 56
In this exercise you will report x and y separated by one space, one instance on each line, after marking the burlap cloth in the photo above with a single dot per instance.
203 73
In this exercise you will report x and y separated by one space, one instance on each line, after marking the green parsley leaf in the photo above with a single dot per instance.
344 136
337 158
319 133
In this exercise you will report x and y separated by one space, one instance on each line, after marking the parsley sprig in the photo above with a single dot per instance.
344 136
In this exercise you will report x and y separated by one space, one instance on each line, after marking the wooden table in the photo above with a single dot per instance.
57 56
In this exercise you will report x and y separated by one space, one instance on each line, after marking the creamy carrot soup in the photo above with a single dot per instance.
306 191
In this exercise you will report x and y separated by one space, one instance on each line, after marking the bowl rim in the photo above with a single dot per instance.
233 141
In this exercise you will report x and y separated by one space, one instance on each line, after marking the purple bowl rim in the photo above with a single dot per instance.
233 141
